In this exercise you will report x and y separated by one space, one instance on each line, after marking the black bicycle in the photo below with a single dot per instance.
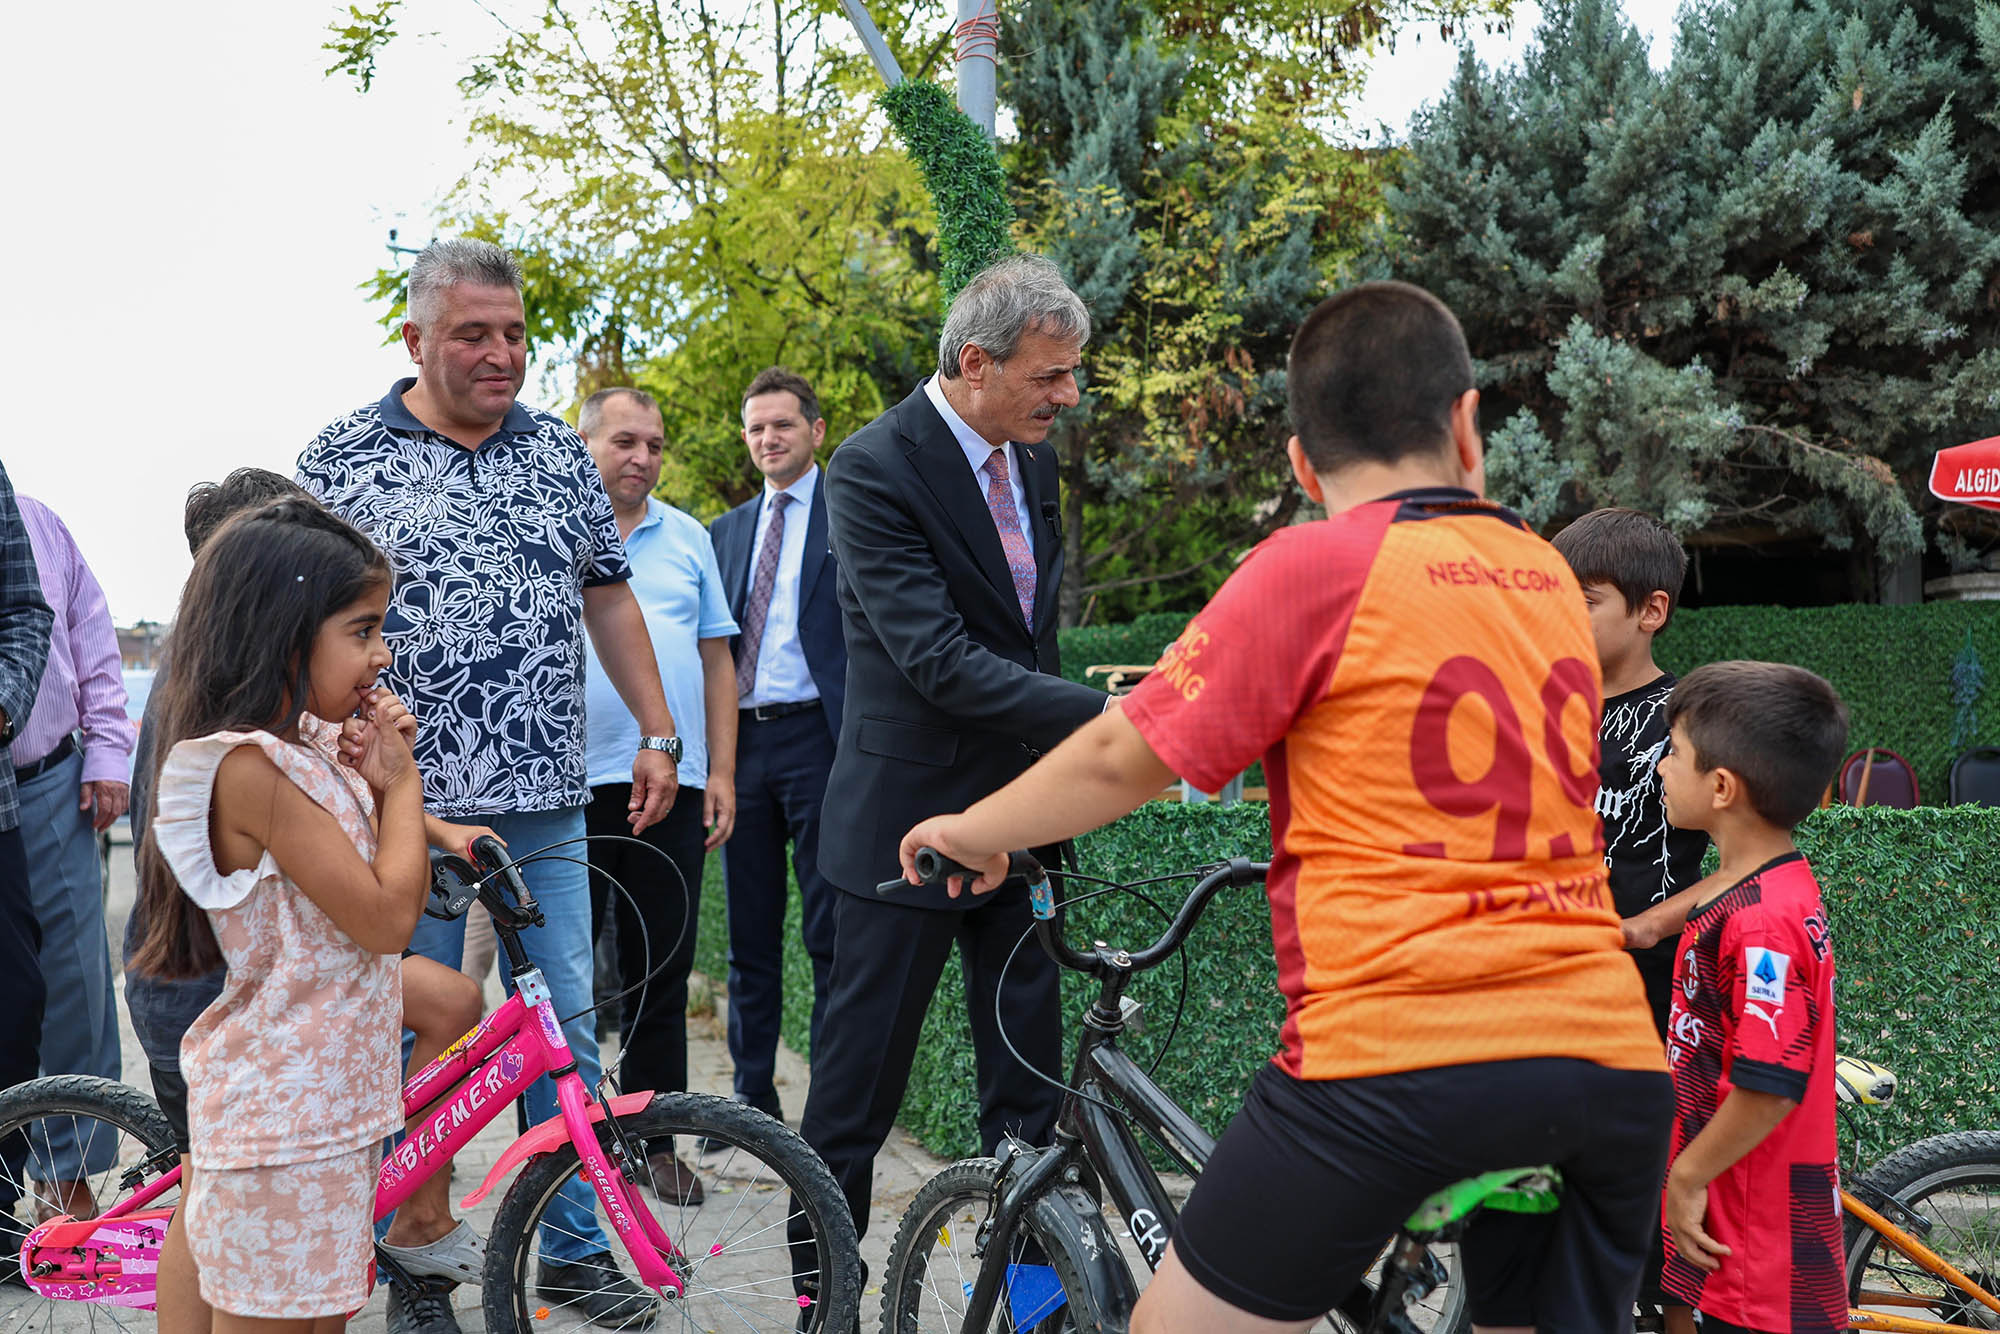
1018 1242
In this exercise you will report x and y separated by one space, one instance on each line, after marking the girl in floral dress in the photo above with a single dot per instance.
287 842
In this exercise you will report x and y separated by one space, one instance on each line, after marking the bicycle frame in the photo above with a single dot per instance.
1930 1261
1088 1132
483 1072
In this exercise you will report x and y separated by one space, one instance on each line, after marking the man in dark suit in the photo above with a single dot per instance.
943 515
791 671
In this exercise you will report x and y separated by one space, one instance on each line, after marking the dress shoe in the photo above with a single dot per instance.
674 1179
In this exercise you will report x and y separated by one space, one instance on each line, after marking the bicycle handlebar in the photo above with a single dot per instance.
933 868
489 855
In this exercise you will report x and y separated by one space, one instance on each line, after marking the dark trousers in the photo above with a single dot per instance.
22 996
781 768
886 963
660 926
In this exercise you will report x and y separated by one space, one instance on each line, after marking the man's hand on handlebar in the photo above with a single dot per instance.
946 833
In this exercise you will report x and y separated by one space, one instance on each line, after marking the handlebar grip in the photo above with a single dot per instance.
934 868
490 856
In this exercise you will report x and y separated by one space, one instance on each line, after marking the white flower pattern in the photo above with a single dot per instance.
491 549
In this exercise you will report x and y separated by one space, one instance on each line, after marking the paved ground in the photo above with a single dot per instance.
902 1168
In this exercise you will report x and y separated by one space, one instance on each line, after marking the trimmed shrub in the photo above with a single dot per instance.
1893 665
1913 895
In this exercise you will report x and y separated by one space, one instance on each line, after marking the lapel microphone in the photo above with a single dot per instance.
1051 518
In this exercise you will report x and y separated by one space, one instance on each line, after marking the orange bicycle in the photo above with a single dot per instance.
1923 1225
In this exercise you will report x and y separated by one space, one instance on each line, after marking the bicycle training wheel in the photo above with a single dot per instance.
1953 1183
932 1261
67 1144
1442 1311
738 1270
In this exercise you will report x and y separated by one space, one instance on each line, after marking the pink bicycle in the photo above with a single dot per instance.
726 1263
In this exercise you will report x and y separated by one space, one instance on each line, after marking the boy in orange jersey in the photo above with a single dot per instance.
1752 1202
1418 676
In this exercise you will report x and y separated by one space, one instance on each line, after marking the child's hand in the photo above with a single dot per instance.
457 839
1685 1209
384 708
1640 933
379 752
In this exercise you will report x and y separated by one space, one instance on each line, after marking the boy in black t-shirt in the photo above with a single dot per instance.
1631 567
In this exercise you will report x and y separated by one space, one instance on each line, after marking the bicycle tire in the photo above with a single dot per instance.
739 1269
921 1296
1951 1180
139 1132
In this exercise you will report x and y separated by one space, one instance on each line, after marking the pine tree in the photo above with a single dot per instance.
1754 290
1197 240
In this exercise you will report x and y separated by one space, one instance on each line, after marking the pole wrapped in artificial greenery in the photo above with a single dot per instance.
960 169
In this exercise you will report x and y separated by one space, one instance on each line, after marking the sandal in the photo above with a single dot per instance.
459 1255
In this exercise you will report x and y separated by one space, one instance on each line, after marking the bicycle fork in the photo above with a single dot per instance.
659 1262
1024 1174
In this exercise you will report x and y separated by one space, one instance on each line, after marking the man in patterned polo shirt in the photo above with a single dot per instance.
505 551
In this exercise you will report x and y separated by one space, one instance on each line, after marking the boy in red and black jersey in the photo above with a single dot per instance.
1752 1202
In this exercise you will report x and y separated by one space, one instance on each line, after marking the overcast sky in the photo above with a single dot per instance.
192 206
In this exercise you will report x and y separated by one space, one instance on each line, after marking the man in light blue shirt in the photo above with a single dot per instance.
679 588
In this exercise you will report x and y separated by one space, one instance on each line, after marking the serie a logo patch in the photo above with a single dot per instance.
1764 974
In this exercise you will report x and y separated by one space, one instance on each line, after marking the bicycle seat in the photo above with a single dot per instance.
1514 1190
1860 1083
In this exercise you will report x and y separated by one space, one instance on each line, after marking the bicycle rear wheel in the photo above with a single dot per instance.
1953 1183
738 1269
67 1142
932 1262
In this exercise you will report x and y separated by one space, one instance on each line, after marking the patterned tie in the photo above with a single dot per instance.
1020 556
760 598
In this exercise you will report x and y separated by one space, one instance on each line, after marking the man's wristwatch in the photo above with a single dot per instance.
669 744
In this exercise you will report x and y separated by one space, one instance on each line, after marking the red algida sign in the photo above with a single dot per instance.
1968 474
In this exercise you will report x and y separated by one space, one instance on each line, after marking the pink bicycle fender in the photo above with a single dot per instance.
550 1134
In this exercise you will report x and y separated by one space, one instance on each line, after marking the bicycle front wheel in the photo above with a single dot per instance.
738 1269
938 1251
1953 1183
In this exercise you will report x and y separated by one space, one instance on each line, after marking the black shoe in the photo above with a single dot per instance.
767 1103
422 1308
594 1286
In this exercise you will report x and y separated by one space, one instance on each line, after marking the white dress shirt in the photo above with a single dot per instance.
782 674
977 450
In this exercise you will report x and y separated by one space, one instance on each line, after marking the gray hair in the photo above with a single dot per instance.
591 415
1004 301
443 265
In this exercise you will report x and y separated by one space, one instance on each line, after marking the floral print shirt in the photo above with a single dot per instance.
492 549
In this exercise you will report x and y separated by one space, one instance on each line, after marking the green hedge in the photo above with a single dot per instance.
1891 664
1914 898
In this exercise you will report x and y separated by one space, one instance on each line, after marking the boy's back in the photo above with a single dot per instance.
1753 1009
1422 673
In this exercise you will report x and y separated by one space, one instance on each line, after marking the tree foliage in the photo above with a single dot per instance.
697 194
699 190
1752 292
1198 228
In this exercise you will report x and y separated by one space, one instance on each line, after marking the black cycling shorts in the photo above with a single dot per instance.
1312 1178
171 1092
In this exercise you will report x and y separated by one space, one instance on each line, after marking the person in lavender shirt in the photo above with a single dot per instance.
73 767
